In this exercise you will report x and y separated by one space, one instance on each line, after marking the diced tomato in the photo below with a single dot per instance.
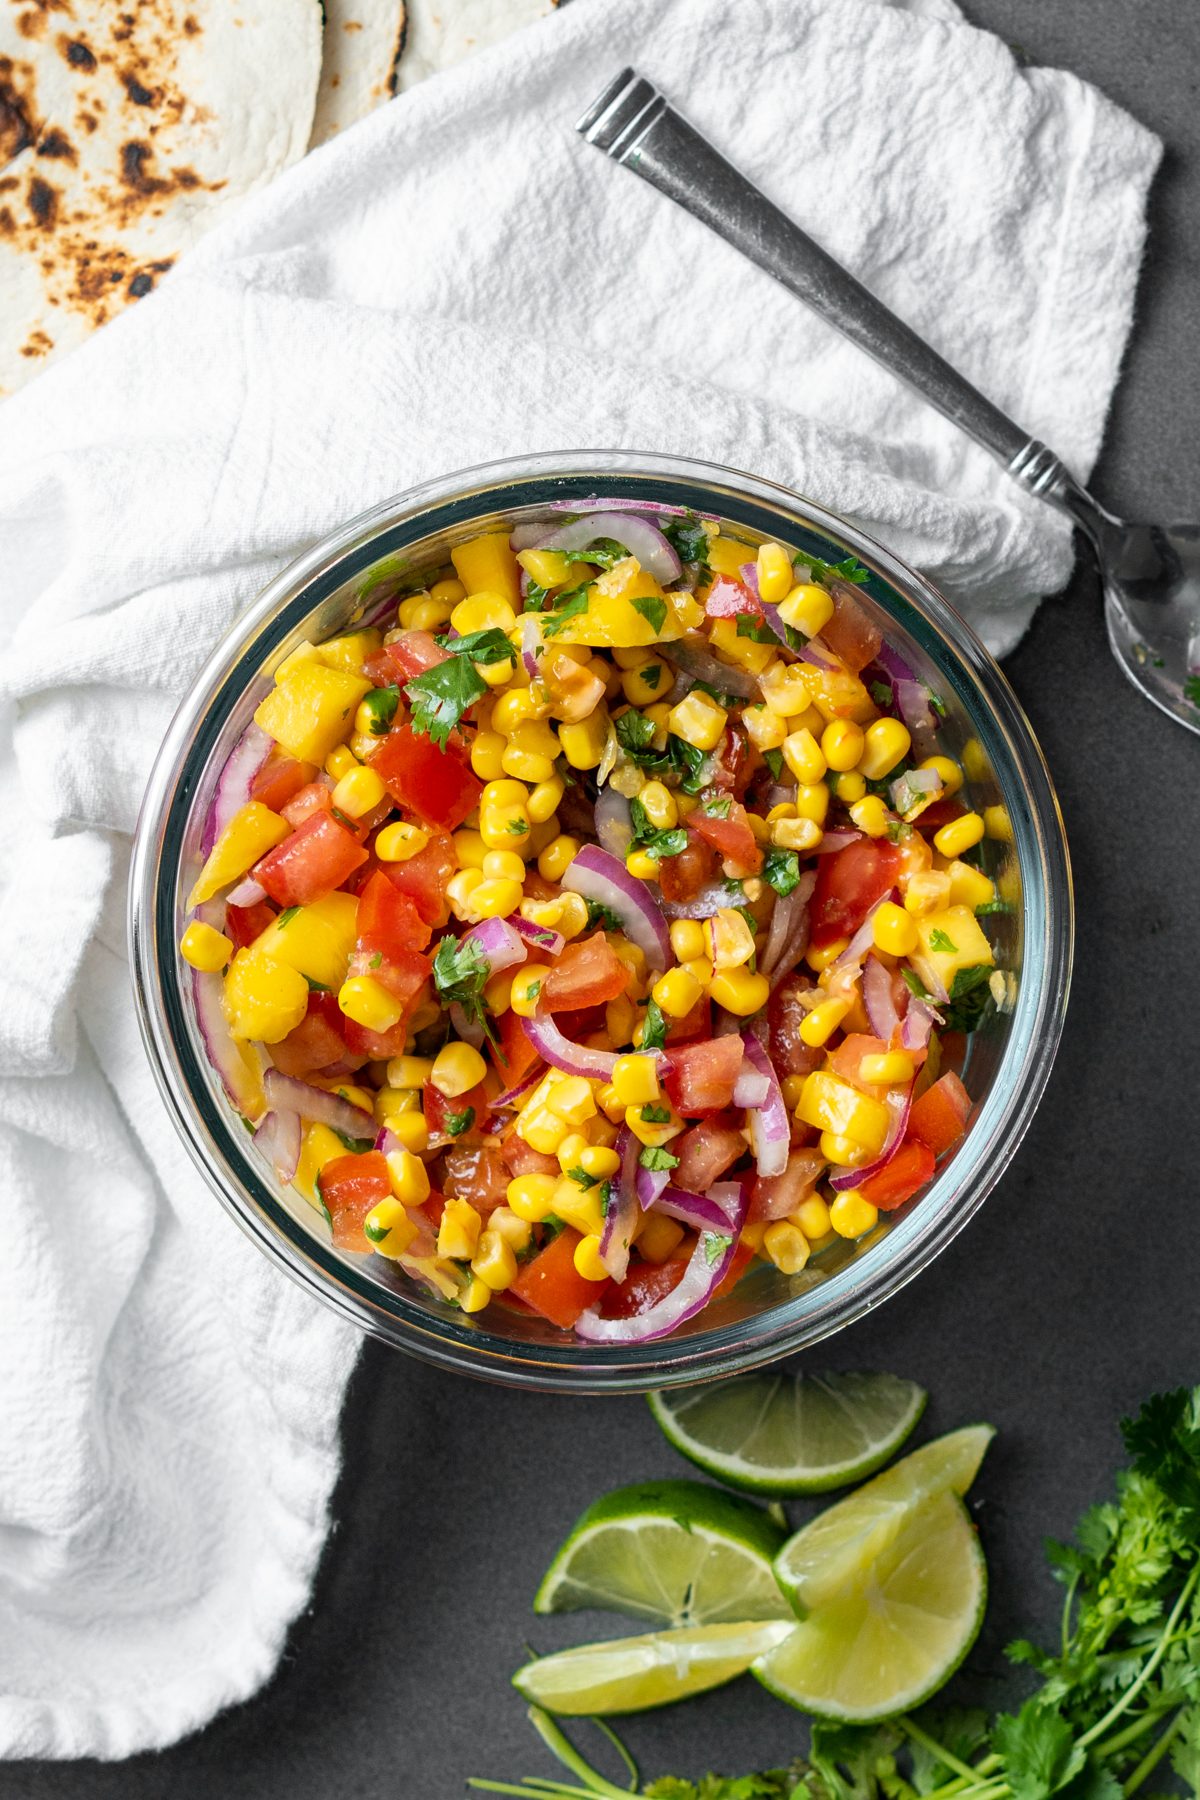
737 761
705 1152
848 884
413 653
431 1208
313 797
942 812
311 863
403 972
785 1015
588 973
909 1170
727 598
380 669
775 1196
424 876
244 923
694 1024
939 1118
681 877
280 778
389 920
350 1187
552 1285
850 633
643 1287
700 1078
522 1159
730 836
437 785
317 1042
476 1172
439 1111
515 1056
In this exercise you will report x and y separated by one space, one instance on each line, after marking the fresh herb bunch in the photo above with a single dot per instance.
1119 1694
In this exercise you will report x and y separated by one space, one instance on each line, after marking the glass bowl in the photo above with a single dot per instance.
352 574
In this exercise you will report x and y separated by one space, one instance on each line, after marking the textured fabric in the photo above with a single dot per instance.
458 278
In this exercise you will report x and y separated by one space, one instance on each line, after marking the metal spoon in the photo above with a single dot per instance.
1151 573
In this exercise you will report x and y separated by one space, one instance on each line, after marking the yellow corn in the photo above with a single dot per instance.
531 1197
503 865
572 1100
643 866
341 762
728 939
320 1146
204 947
653 1130
504 827
804 756
358 792
842 743
677 992
635 1080
456 1069
747 652
848 787
486 753
687 939
851 1215
459 889
543 801
927 890
870 814
583 742
549 568
845 1152
494 898
948 770
893 930
812 1216
786 691
775 577
523 995
482 612
389 1229
645 681
411 1130
807 609
659 1237
588 1261
796 834
740 991
369 1003
583 1210
599 1161
611 1103
542 1129
494 1261
968 886
458 1233
786 1246
819 959
698 720
409 1071
400 841
812 801
886 743
764 726
515 1231
429 615
818 1026
557 857
659 805
959 835
408 1176
474 1296
891 1069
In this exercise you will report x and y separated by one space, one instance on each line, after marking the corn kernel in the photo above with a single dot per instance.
516 1232
774 567
481 612
687 939
583 742
544 799
410 1129
611 1103
400 841
807 609
812 801
582 1209
960 834
948 770
821 958
358 792
746 652
645 681
785 690
818 1026
968 886
851 1215
892 930
698 720
786 1246
764 726
429 615
926 891
676 993
870 815
804 756
812 1216
796 834
494 1261
449 590
599 1161
369 1003
549 568
557 857
728 939
649 1128
523 995
389 1102
635 1080
842 743
740 991
456 1069
848 787
542 1129
504 827
845 1152
486 752
528 764
340 762
753 1234
459 889
515 707
503 865
658 803
203 947
474 1296
834 1105
531 1197
458 1232
659 1237
588 1261
495 898
640 864
886 743
572 1100
891 1069
997 823
408 1176
388 1228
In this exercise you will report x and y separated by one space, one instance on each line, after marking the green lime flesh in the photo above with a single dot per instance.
631 1674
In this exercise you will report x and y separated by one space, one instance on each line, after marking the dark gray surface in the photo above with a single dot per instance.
1067 1300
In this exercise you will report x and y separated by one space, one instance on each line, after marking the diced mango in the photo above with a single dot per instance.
837 694
262 1000
950 941
320 1146
831 1104
315 940
627 610
487 565
350 651
312 711
253 830
726 556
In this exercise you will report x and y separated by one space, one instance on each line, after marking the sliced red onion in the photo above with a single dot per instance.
919 1022
500 940
650 1184
913 788
642 540
552 942
278 1136
387 1142
600 877
511 1095
899 1105
787 939
775 621
287 1094
530 640
246 893
698 1211
891 660
836 840
692 655
702 905
621 1208
751 1087
912 701
652 508
528 535
819 655
469 1030
877 998
562 1053
704 1274
862 940
224 1053
235 781
614 826
770 1129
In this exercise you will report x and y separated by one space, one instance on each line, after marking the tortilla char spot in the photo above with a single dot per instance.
43 202
8 225
134 157
191 26
77 53
37 344
141 96
19 124
352 25
31 24
56 144
90 122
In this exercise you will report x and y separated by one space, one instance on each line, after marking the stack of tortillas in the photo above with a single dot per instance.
128 126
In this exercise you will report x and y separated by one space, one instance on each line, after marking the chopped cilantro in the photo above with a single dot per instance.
849 569
656 1115
635 734
940 942
657 1160
440 696
286 916
717 806
647 837
376 960
581 1178
650 674
781 868
914 984
461 971
458 1122
652 609
487 647
654 1027
356 1146
987 907
689 764
749 626
598 914
898 831
381 704
316 987
937 703
970 999
881 693
375 1233
774 762
516 828
715 1246
536 596
569 606
688 539
602 552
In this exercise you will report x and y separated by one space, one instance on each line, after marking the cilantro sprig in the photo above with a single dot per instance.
649 838
439 697
461 971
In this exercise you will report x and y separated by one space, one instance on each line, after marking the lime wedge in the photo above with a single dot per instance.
886 1644
834 1551
783 1434
673 1552
629 1674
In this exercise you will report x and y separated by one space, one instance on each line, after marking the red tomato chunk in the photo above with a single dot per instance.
437 786
311 863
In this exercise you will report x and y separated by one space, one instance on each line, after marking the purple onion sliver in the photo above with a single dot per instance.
862 940
561 1053
511 1095
770 1128
224 1054
530 640
235 781
634 533
598 876
287 1094
699 1211
751 1088
877 998
836 840
650 1184
704 1274
500 941
899 1105
621 1208
919 1022
614 823
696 660
541 936
891 660
652 508
246 893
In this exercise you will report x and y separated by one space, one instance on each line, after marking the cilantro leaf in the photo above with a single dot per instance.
914 984
598 914
1039 1750
569 606
781 869
849 569
717 806
715 1245
487 647
461 971
654 1027
656 1115
652 609
536 596
458 1122
749 626
970 999
440 696
582 1179
881 693
602 552
381 704
774 762
635 734
655 1158
939 941
987 907
1164 1442
688 539
286 916
647 837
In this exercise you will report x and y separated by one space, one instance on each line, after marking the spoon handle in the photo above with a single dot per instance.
633 124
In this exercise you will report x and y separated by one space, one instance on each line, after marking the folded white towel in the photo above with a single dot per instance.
458 278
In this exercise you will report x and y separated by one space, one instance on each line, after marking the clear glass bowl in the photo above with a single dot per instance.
347 576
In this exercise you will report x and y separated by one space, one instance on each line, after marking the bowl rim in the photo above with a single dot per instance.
918 1236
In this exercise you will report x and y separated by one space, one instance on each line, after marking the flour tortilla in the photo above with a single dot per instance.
125 131
363 42
442 32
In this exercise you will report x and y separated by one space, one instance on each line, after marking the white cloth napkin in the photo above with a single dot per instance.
457 279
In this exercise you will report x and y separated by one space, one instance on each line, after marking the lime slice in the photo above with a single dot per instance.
886 1644
790 1434
673 1552
835 1550
629 1674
